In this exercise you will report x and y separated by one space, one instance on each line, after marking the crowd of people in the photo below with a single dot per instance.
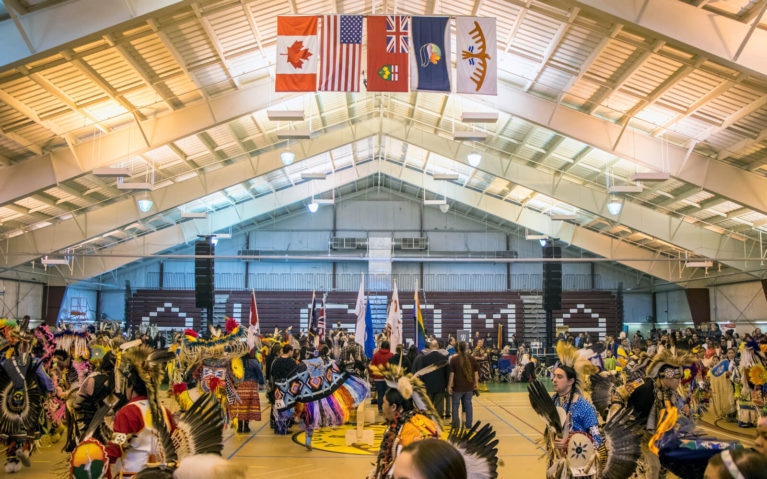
157 404
633 403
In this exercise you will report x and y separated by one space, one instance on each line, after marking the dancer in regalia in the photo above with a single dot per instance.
722 392
751 360
411 418
22 385
248 376
320 394
135 441
575 444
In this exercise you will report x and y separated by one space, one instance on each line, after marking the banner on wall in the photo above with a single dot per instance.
297 54
476 63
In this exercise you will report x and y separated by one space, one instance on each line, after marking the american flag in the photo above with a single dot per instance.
341 52
397 29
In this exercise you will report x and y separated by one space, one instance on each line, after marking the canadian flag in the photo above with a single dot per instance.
297 48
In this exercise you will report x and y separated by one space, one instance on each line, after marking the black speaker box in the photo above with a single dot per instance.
552 279
203 274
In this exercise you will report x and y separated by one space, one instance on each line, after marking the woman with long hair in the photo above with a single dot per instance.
463 381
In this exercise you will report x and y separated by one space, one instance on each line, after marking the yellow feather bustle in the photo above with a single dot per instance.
409 386
570 356
405 387
666 357
237 368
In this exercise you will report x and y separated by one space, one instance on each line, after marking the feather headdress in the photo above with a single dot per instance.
478 446
410 385
667 358
228 346
571 357
147 364
198 431
193 449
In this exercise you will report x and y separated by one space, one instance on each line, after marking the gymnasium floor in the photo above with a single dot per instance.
505 406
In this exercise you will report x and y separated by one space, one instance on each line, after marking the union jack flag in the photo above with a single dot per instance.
397 30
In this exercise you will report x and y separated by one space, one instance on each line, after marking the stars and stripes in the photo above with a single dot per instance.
341 49
397 30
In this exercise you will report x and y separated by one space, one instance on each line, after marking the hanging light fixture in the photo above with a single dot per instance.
144 202
543 242
313 206
614 205
287 157
474 158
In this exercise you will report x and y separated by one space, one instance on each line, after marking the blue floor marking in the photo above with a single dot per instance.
248 440
504 421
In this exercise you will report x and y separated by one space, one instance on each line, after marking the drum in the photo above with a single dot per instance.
581 454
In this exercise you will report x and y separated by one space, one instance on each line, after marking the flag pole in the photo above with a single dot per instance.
415 313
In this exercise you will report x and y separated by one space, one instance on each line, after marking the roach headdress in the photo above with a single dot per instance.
571 357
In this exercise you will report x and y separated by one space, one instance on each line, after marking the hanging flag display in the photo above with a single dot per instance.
341 52
477 56
430 59
388 48
297 52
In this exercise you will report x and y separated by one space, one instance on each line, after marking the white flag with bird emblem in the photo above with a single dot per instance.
476 64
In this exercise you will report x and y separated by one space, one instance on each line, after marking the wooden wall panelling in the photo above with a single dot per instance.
446 311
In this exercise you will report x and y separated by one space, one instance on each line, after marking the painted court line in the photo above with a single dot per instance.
508 424
336 456
516 417
247 440
367 458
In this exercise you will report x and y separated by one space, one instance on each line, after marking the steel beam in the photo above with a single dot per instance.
673 230
640 148
712 35
89 224
583 238
640 218
652 153
61 24
123 212
41 173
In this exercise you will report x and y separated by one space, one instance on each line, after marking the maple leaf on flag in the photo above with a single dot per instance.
297 54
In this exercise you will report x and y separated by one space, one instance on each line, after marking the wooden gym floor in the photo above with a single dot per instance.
265 455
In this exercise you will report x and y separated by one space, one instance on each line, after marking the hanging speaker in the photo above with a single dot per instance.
203 274
552 279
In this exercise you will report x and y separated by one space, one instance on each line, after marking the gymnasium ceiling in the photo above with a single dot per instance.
589 90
